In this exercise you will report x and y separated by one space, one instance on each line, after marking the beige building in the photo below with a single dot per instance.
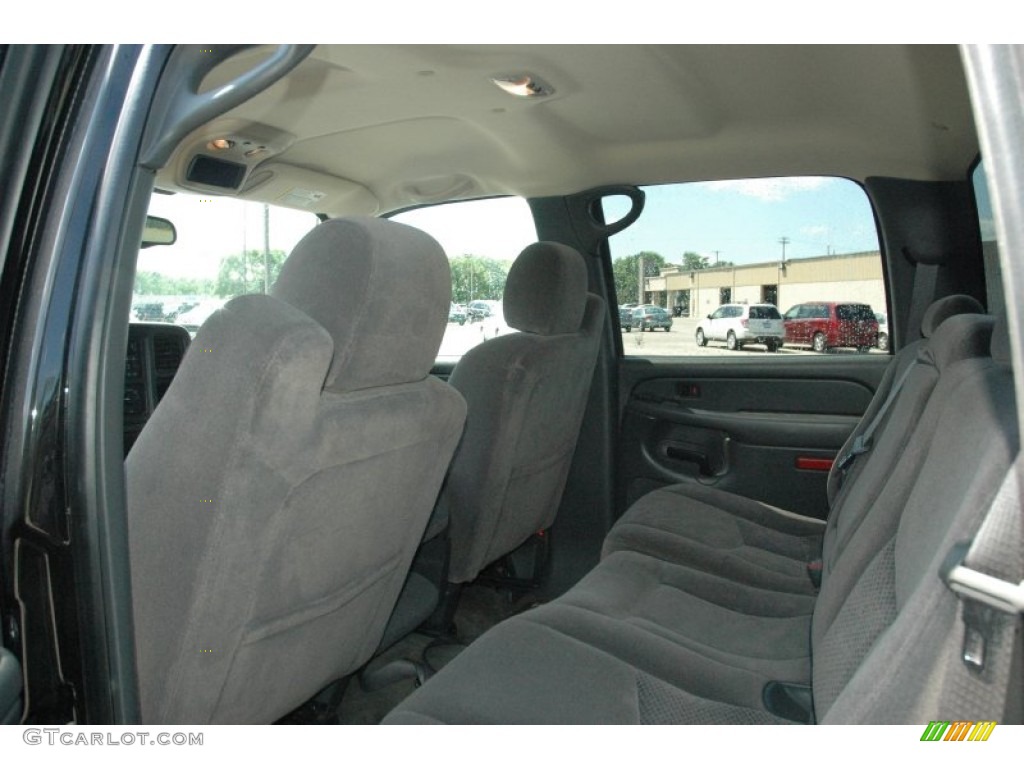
845 277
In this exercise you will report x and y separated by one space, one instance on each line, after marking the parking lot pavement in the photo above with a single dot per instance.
679 342
459 339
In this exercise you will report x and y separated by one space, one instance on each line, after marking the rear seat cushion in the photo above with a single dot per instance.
671 619
751 542
637 640
526 672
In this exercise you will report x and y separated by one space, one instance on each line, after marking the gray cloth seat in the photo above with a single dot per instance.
526 393
278 493
756 543
643 639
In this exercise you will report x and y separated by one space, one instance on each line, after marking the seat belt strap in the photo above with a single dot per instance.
862 443
926 277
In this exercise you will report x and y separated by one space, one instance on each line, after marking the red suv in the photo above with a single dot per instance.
822 325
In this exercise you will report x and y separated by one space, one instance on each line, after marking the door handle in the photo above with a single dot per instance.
678 453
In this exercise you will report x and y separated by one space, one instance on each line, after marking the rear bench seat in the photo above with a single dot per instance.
674 626
759 544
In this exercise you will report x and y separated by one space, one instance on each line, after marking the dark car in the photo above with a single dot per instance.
825 325
626 318
457 314
184 307
480 310
149 312
648 318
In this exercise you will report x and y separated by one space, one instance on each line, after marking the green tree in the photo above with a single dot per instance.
477 277
243 273
693 261
157 284
626 271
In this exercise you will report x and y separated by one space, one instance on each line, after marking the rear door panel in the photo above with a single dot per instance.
742 426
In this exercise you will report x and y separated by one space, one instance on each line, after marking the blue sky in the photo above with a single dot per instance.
744 220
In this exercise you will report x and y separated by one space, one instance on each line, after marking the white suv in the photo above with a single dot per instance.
739 324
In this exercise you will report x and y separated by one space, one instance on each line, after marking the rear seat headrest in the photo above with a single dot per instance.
959 338
381 289
944 308
546 290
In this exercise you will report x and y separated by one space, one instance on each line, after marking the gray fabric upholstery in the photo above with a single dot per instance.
693 629
651 638
546 290
415 603
752 543
961 338
376 287
526 393
934 316
272 520
950 472
945 308
527 671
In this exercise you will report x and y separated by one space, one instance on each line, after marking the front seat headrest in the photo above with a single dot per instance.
546 290
380 289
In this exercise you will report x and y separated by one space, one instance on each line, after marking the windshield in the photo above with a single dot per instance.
225 248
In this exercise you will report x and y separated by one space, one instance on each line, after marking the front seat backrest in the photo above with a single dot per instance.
278 493
526 394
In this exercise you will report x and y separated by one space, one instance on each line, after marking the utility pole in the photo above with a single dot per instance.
266 248
716 257
640 262
784 241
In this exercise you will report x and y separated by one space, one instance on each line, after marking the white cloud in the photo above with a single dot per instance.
769 190
817 230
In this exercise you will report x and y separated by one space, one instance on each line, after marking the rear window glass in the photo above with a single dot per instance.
854 312
765 313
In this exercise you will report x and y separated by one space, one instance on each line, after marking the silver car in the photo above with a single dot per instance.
739 324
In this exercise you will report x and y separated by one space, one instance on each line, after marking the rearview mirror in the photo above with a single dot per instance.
158 232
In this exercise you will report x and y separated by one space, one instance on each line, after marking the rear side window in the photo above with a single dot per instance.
796 244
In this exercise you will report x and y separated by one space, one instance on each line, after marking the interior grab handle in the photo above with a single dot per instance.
178 111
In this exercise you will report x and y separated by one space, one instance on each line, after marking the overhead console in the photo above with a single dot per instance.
155 352
236 157
218 158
